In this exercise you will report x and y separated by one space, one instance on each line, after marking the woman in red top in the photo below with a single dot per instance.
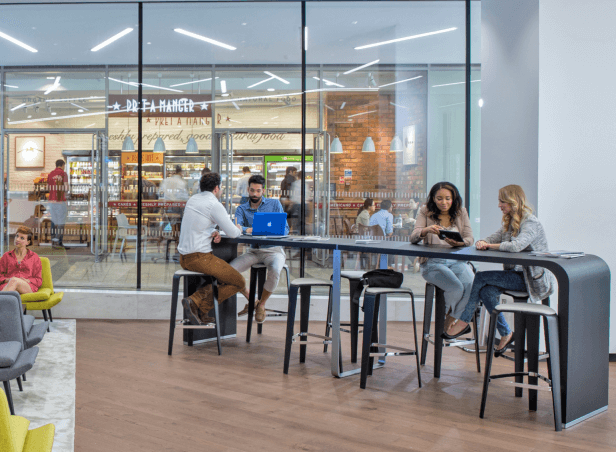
20 269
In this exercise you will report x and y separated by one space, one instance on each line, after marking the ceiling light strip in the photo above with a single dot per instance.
19 106
56 83
406 38
276 77
203 38
456 83
112 39
18 42
258 83
401 81
364 113
189 83
361 67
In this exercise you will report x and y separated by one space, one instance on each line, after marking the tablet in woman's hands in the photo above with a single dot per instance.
453 235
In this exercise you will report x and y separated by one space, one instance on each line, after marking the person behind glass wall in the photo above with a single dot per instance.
174 188
57 181
272 257
20 268
195 188
365 211
294 210
520 231
384 218
241 189
444 210
286 186
203 213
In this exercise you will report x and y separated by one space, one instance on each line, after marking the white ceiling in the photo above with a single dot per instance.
64 34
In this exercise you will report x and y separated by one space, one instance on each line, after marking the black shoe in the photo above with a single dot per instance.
192 311
461 333
501 352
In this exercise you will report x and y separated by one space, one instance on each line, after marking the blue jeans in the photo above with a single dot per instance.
455 278
488 286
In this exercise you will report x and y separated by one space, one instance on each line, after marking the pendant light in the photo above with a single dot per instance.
127 144
396 144
191 147
336 147
368 145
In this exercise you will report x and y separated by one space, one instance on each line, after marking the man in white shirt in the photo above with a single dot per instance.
242 185
203 212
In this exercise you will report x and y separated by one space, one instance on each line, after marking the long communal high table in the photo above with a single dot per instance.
583 311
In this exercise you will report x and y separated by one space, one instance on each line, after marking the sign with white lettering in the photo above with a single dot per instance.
161 105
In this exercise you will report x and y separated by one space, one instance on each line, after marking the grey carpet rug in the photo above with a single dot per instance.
49 392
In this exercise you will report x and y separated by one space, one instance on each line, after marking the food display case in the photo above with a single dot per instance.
276 168
191 168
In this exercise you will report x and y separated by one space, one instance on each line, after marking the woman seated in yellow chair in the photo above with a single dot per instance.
20 269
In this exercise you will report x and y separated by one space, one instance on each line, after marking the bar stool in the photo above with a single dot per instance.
258 272
182 324
304 286
435 296
520 329
530 311
371 345
354 276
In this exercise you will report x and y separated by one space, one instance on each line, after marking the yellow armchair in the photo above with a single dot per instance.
45 298
15 436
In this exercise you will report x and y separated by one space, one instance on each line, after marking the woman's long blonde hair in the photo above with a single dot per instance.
516 198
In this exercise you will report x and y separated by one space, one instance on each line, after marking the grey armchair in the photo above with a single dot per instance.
15 358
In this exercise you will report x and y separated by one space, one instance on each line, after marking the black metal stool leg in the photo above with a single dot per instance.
252 291
439 327
174 308
476 337
354 320
375 332
367 339
427 321
532 331
519 346
488 366
303 320
50 317
21 388
260 283
290 324
216 315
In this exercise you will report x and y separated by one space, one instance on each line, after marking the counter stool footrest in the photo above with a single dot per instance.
326 339
542 357
373 355
522 374
394 347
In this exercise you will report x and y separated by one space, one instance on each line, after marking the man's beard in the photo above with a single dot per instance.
254 200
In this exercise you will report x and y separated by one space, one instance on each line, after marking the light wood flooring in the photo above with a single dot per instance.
132 396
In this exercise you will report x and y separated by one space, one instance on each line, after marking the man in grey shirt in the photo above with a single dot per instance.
242 185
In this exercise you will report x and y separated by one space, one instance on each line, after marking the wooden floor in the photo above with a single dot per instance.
132 396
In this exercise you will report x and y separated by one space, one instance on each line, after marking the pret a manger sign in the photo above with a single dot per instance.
161 105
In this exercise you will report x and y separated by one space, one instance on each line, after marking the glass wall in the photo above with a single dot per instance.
222 89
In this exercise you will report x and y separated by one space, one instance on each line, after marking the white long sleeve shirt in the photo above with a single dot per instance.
202 213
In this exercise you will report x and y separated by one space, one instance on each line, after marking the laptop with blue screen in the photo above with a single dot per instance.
269 223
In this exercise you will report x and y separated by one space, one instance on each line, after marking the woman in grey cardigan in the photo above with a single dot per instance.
444 210
521 231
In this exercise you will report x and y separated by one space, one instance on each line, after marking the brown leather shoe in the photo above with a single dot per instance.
260 313
205 319
192 311
243 311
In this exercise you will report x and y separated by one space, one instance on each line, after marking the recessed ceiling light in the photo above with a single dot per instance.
354 22
480 103
406 38
361 67
51 78
225 94
271 89
112 39
18 42
203 38
149 43
53 113
29 116
223 86
401 81
244 23
277 78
